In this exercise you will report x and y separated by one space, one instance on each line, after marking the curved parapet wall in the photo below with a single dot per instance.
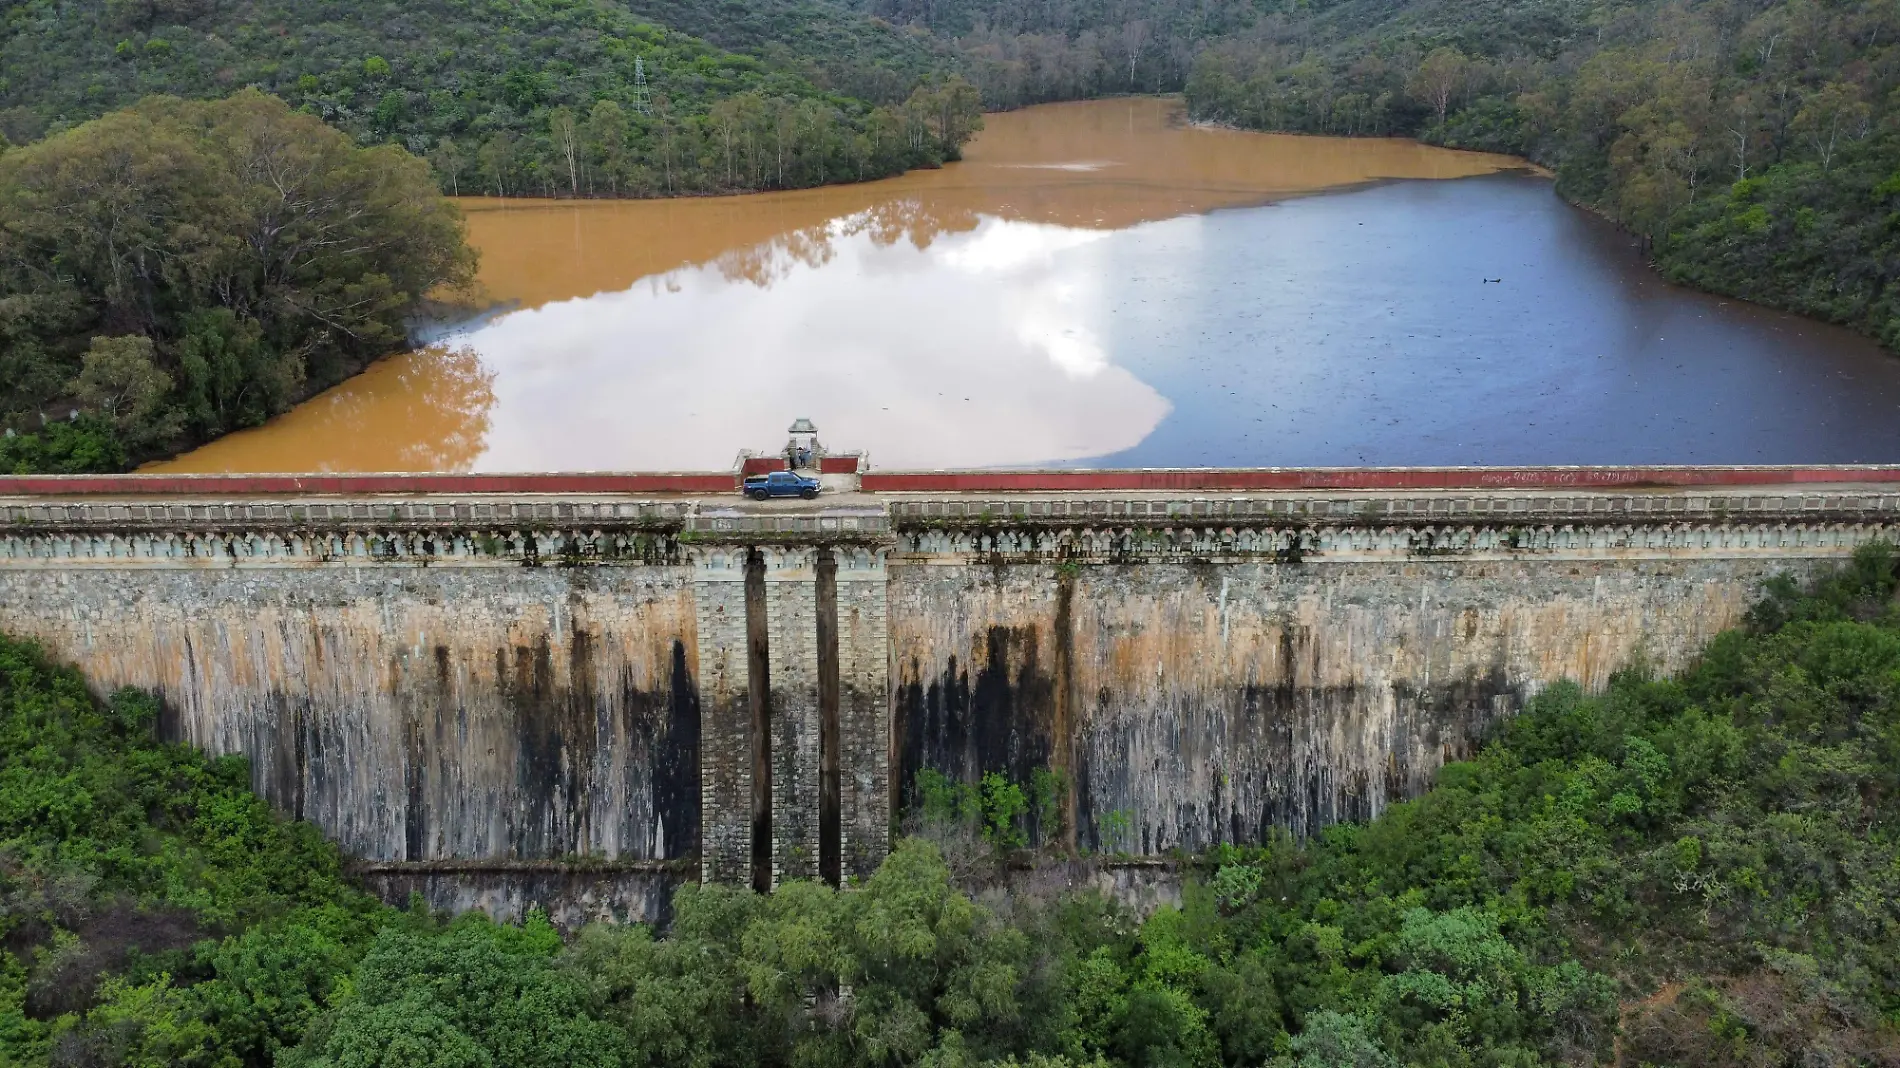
497 689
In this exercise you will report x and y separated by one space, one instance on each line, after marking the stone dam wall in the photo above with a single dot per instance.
581 700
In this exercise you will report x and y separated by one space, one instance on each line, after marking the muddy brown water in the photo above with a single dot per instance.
1097 284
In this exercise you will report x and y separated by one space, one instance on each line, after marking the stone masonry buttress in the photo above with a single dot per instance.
864 711
725 749
792 622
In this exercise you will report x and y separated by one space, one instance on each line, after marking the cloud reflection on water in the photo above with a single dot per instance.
982 349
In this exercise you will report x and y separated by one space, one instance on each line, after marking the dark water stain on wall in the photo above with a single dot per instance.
557 734
1170 733
280 738
672 731
758 696
1268 742
1062 749
830 745
1453 719
1003 721
1230 767
562 770
580 739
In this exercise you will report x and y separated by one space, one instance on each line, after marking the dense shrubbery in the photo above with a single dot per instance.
1697 871
83 446
181 269
151 907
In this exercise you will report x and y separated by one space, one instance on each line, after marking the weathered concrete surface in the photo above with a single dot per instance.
415 714
1203 703
503 702
792 635
570 895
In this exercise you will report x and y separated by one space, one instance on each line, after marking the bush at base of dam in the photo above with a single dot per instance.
1694 871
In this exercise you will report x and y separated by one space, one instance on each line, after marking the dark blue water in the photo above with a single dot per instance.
1359 328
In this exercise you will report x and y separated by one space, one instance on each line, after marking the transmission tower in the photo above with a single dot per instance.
642 96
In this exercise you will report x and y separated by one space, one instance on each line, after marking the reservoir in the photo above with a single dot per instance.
1097 284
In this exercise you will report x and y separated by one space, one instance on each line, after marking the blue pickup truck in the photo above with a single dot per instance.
780 484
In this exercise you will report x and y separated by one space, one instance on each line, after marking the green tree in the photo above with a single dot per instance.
450 162
163 226
118 378
497 160
1439 79
1829 118
607 140
85 446
473 993
231 378
1337 1040
566 133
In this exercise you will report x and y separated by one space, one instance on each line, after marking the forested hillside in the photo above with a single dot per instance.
830 43
536 97
214 208
1688 872
1754 143
1046 50
1749 140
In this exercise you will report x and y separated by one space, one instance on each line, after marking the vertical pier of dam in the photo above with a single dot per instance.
757 746
862 594
723 650
791 605
830 745
796 751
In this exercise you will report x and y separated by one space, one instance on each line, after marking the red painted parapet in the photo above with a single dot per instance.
266 485
1396 478
1188 480
846 464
